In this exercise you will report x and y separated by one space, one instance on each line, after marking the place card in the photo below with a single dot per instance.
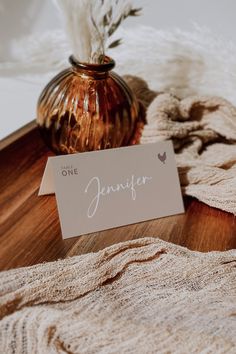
109 188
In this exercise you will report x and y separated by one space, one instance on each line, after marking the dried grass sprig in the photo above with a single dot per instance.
91 23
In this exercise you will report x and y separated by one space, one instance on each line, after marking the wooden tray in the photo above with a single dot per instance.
30 231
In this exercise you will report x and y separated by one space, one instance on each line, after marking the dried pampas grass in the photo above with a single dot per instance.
185 63
90 23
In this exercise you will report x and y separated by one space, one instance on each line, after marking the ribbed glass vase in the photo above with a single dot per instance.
88 107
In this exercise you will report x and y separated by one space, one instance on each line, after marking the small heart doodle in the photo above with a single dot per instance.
162 157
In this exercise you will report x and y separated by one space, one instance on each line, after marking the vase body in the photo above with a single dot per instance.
88 107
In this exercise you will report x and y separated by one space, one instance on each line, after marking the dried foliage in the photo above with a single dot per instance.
90 24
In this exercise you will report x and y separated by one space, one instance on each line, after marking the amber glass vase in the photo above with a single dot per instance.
88 107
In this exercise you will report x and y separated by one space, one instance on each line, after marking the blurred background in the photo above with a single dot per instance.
20 18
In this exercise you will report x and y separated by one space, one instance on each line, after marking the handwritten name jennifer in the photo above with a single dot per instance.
103 191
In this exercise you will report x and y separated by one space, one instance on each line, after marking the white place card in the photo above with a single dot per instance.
105 189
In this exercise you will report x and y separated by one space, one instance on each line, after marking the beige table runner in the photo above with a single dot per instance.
141 296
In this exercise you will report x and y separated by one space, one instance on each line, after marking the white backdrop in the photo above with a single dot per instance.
18 18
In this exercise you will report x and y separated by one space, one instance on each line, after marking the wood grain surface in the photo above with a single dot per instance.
29 225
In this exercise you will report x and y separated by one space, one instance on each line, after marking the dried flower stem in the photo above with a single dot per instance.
90 23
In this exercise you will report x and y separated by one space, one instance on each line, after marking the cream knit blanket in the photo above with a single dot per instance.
141 296
203 130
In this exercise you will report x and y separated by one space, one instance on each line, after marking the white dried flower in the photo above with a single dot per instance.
90 23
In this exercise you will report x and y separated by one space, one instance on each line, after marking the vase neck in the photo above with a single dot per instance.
92 70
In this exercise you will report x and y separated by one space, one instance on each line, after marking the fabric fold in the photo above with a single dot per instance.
140 296
203 131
